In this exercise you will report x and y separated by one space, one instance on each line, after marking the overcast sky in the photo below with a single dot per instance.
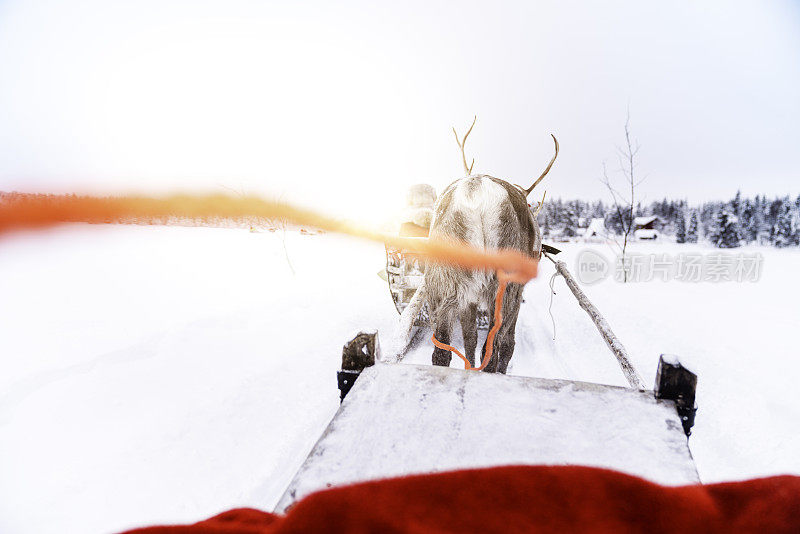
345 105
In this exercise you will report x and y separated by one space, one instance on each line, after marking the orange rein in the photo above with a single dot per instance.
28 211
503 278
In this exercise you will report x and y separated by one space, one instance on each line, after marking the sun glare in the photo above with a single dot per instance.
252 109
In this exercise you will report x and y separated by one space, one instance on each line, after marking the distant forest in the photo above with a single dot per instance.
739 221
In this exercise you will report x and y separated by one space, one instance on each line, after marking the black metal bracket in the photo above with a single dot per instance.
357 354
346 379
677 383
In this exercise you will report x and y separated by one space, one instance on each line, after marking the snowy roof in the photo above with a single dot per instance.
641 221
596 227
401 419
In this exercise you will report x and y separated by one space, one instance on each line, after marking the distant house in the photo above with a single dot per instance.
596 231
646 227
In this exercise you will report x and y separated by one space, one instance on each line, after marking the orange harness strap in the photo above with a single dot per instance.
503 278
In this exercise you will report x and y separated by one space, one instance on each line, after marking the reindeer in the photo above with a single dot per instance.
486 213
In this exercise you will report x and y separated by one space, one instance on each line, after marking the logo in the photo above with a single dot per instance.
592 267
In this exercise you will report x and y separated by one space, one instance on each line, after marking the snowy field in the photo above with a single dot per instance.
165 374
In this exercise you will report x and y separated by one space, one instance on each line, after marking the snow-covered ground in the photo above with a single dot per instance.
165 374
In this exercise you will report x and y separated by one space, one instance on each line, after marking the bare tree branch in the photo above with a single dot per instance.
624 204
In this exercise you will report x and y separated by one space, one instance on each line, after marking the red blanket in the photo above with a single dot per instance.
525 499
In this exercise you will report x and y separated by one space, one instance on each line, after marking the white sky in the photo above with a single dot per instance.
345 105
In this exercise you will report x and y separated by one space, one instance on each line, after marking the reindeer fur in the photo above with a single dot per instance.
490 214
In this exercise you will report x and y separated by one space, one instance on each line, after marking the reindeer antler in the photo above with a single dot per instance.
528 191
461 146
541 205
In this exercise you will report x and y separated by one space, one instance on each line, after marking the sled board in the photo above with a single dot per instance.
402 419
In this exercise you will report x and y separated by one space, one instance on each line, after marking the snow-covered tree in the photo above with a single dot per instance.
598 210
746 221
786 231
616 221
736 204
708 213
724 232
691 233
680 229
547 228
758 224
569 220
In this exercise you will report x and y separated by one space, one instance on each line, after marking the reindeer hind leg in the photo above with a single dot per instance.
511 306
491 367
442 324
469 330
